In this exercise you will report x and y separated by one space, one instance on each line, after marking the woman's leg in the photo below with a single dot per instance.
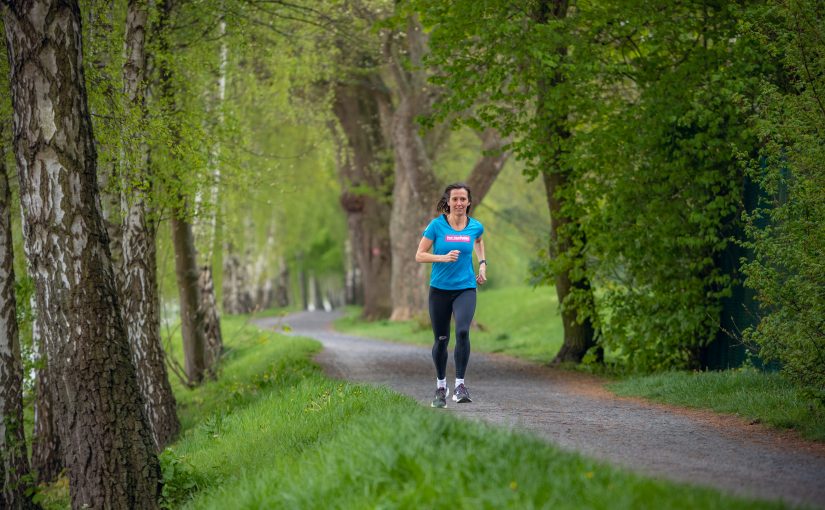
464 308
440 312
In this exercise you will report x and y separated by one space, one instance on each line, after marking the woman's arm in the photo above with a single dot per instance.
482 265
423 254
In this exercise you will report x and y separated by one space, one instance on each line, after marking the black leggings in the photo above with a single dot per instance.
443 304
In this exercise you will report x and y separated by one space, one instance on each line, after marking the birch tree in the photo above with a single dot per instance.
107 444
141 303
14 460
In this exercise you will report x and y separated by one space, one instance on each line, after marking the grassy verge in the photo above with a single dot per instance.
525 323
520 321
755 395
287 437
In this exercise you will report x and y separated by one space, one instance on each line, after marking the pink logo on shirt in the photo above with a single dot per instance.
457 239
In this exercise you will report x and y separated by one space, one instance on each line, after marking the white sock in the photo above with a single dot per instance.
441 383
458 381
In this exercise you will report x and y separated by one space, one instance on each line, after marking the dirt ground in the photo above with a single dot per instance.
576 413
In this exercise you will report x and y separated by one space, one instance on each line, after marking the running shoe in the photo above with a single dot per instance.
461 395
440 399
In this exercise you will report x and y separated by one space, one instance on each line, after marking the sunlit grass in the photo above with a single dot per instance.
761 396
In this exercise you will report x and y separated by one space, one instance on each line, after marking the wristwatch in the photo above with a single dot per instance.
482 261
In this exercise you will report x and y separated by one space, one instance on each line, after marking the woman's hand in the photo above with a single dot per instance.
451 257
481 277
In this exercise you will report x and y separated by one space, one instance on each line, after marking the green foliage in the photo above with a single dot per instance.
179 481
643 107
787 231
765 397
664 202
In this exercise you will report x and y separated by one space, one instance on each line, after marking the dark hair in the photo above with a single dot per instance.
443 205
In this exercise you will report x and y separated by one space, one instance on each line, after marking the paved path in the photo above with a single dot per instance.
576 413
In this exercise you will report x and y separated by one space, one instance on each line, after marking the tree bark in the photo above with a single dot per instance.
363 163
212 323
47 460
107 443
192 324
236 296
139 290
489 165
210 228
282 285
415 190
14 460
578 334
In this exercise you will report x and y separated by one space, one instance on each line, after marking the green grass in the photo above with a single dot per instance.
754 395
288 437
519 321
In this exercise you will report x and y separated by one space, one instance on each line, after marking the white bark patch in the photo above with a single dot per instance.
53 170
44 108
75 189
33 202
5 344
37 15
49 60
58 261
79 240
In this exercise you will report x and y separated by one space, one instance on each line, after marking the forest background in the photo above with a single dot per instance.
657 163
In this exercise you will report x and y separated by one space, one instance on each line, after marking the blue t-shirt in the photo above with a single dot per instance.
459 274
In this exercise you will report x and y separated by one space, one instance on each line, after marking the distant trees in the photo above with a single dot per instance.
509 69
106 441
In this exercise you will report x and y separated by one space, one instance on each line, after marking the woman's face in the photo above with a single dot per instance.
459 201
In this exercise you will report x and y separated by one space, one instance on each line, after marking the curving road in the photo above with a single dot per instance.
574 412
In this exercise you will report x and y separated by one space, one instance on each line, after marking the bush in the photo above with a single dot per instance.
788 232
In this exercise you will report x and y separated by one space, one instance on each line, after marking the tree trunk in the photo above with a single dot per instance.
186 266
353 286
212 323
138 291
107 443
47 460
236 296
191 318
578 334
410 213
282 286
210 227
14 460
303 284
416 190
489 165
362 162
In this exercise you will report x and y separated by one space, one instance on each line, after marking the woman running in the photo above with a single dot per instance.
452 238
